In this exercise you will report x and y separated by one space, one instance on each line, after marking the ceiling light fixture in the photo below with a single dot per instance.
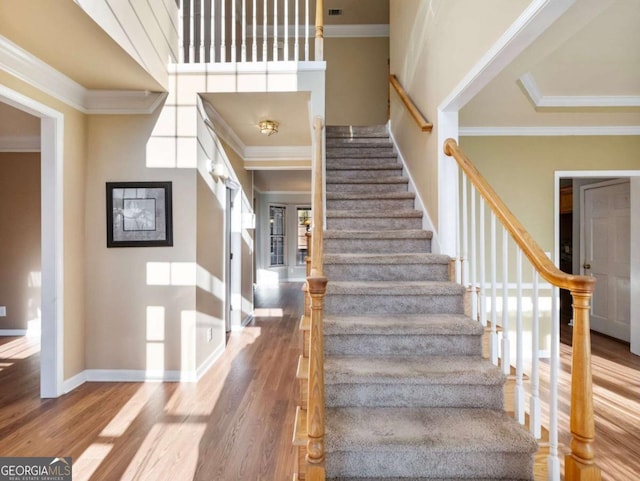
268 127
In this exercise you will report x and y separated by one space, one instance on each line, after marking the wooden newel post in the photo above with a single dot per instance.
580 464
315 409
319 55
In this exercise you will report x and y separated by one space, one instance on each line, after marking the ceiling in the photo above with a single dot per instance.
61 34
582 71
242 111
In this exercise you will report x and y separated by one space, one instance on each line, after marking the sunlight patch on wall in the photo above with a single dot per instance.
171 273
268 278
209 283
155 323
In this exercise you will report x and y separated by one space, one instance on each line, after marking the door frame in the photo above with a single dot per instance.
52 239
613 174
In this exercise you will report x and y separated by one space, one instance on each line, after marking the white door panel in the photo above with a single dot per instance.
607 256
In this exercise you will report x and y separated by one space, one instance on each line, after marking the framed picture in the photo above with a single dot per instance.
139 214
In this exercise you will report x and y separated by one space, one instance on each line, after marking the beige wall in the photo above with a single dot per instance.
123 283
433 46
521 170
356 80
73 168
19 238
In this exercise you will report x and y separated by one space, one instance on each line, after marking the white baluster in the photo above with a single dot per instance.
212 23
265 34
243 44
519 393
233 58
494 293
553 463
473 259
296 46
506 352
201 43
534 408
254 40
465 234
275 31
458 261
223 28
286 31
483 274
306 32
192 26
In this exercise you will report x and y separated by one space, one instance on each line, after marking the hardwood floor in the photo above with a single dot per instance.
236 423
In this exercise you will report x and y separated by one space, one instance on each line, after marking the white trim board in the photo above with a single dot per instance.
543 131
52 235
25 143
138 375
540 100
27 67
13 332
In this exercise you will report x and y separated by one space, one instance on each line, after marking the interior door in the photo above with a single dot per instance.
606 241
228 258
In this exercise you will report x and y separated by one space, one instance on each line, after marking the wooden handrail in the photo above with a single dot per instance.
420 119
580 464
316 286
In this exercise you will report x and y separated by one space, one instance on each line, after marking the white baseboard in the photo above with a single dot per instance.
12 332
210 361
250 317
133 375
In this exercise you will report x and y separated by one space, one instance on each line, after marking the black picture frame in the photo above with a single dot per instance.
139 214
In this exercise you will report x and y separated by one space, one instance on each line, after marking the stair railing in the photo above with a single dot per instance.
471 272
219 31
412 108
316 286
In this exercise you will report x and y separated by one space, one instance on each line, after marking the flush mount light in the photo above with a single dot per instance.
268 127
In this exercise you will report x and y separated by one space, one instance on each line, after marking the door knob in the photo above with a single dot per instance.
586 266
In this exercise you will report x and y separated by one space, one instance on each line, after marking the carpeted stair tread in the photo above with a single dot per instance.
374 234
425 429
358 142
391 165
410 325
413 258
369 195
382 180
376 214
412 370
395 288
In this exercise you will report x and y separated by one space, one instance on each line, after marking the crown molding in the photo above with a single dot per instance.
30 69
356 31
596 130
540 100
25 143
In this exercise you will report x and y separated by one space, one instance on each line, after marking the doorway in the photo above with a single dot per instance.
583 179
52 293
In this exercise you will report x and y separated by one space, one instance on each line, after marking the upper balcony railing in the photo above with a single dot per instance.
220 31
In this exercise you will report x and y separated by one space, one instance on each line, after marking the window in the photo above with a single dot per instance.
276 224
304 221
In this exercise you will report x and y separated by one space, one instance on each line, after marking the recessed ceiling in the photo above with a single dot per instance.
61 34
590 54
242 111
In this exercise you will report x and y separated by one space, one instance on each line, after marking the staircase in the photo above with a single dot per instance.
408 394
